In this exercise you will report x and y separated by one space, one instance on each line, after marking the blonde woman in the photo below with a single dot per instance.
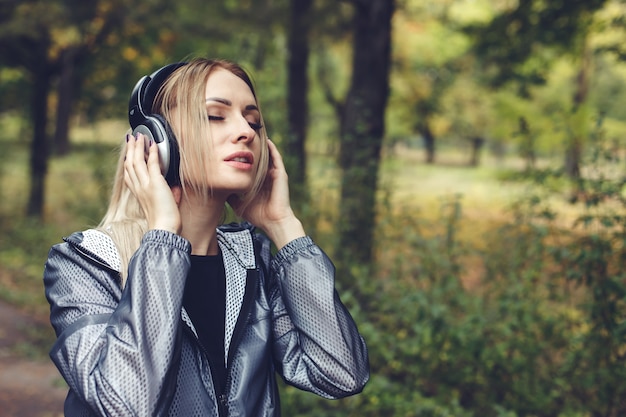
163 311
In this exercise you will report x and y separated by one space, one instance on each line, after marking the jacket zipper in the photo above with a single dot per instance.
220 396
249 297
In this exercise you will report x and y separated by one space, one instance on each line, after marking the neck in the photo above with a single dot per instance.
200 219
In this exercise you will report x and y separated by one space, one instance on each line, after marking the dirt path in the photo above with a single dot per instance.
28 388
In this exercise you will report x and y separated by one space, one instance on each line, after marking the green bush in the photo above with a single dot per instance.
542 333
527 318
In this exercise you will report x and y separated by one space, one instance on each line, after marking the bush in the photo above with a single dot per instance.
541 333
526 319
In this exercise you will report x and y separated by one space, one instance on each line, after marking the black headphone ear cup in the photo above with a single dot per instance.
155 128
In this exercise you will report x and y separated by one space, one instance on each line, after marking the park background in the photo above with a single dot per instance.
461 160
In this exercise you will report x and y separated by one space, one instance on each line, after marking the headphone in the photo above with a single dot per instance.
154 126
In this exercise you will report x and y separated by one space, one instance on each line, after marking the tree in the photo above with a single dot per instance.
515 34
50 41
468 110
362 129
510 46
429 53
25 42
86 27
297 99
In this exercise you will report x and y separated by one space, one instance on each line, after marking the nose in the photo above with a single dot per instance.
246 132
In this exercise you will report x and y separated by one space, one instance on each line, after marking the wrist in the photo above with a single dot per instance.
168 226
284 231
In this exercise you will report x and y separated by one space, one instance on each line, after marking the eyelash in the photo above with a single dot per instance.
255 126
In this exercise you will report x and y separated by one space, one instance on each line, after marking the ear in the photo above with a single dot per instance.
177 192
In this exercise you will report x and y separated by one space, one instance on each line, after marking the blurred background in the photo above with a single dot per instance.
462 161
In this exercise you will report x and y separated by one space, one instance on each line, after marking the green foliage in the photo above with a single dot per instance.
525 319
508 44
528 319
593 260
79 187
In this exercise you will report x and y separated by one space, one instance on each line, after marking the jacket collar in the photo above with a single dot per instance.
97 245
237 246
238 241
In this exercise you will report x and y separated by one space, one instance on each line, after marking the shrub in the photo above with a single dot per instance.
541 331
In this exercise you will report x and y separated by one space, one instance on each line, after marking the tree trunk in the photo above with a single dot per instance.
297 103
39 146
477 145
527 145
363 128
65 94
573 153
429 141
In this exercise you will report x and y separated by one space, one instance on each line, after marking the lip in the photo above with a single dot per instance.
240 160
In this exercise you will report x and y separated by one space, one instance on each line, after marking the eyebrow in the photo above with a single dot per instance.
249 107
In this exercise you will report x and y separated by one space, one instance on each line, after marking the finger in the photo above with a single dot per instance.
153 159
275 156
129 170
139 159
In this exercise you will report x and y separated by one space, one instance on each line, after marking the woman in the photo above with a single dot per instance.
161 310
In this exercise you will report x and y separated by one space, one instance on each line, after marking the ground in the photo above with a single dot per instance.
28 387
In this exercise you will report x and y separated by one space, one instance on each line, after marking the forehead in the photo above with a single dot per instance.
224 84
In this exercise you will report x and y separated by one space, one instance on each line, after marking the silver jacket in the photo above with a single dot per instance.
133 351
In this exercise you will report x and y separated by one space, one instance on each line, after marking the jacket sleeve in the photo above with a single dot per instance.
116 348
316 342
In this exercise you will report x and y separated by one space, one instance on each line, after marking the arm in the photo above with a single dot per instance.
116 349
316 342
271 209
317 346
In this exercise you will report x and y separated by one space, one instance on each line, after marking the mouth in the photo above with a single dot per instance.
242 160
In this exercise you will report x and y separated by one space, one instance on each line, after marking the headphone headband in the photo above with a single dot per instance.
145 91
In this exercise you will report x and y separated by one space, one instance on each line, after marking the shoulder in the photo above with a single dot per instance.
94 244
86 259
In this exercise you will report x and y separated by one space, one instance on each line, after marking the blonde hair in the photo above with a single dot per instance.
181 101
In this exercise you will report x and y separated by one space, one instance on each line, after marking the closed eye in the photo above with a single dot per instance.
255 126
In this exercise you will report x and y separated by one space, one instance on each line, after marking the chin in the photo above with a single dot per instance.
234 190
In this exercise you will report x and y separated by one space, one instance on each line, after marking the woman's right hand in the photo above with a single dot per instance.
158 201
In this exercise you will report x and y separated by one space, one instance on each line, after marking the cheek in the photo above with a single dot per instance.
264 163
211 166
256 150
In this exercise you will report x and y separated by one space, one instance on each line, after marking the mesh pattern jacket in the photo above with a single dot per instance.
133 351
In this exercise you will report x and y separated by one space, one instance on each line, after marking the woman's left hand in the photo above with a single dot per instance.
271 208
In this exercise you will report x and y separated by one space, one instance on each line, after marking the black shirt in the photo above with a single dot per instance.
205 302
